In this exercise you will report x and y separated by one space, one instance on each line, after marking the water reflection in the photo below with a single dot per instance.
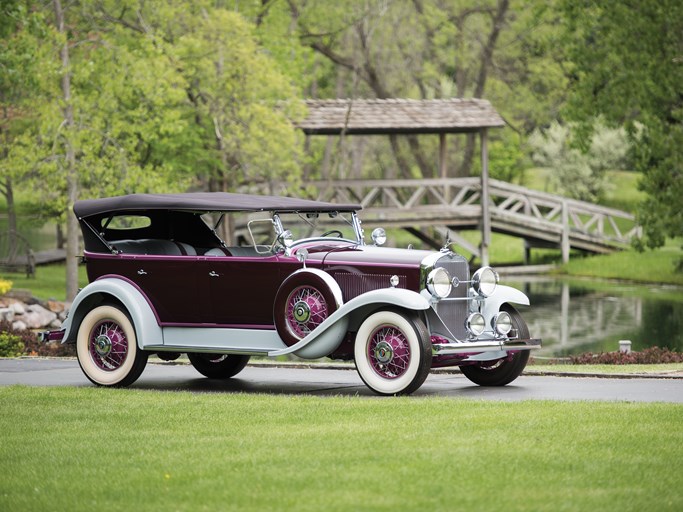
575 317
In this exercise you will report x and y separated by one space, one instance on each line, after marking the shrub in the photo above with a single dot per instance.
32 346
652 355
5 286
10 345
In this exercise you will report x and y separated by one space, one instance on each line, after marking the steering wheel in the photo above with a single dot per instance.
333 232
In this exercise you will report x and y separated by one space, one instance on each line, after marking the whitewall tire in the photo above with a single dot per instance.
393 352
107 348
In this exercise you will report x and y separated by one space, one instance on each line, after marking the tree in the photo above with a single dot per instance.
25 70
628 66
240 107
580 174
497 49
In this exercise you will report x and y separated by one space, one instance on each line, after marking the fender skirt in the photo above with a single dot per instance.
328 335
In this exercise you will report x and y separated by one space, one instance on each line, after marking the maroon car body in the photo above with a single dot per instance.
163 281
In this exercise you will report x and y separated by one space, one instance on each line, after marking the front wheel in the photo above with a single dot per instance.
107 348
218 366
502 371
393 353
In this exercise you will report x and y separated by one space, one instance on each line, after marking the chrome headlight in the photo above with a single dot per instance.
502 323
484 281
439 283
475 324
379 236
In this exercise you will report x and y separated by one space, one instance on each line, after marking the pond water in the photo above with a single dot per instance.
579 316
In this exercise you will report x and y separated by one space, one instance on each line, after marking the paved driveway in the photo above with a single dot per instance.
314 381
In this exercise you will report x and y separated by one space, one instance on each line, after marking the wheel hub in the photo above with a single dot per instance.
384 352
103 345
302 312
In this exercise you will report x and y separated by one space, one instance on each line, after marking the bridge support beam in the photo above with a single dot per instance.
485 213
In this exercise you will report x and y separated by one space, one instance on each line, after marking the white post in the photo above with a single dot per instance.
565 233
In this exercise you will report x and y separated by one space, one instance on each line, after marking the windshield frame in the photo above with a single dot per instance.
289 242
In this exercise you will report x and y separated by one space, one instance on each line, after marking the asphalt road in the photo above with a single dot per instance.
321 382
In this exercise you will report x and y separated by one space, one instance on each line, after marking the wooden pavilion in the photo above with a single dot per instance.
411 117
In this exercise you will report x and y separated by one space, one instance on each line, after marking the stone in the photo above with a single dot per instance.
19 326
37 317
18 308
55 324
55 306
7 314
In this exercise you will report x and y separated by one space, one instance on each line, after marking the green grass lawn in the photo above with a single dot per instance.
103 449
48 283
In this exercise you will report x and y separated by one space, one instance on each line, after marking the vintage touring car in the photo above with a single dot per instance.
299 280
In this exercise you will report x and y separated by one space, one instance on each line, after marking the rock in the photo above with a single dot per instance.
55 324
21 295
19 326
7 314
37 317
18 307
55 306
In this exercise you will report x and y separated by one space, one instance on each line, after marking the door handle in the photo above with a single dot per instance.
142 272
214 274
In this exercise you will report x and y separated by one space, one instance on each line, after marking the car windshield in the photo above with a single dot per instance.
318 225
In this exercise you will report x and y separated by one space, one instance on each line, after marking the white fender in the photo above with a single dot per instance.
328 335
147 328
502 295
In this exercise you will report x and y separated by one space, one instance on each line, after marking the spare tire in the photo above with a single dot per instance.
304 301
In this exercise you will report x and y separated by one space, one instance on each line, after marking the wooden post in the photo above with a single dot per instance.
565 233
443 171
485 214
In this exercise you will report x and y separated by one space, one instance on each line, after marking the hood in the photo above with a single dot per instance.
366 254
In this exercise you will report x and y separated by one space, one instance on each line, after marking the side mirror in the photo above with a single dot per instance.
301 255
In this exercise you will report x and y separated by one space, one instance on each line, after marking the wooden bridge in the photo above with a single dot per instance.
455 204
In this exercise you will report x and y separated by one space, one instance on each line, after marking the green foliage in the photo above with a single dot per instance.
580 174
10 345
627 66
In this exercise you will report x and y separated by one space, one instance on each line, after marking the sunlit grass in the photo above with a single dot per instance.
102 449
49 281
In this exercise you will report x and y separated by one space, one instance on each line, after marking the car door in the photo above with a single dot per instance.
239 291
168 282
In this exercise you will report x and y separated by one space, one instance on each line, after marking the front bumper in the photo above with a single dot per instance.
476 347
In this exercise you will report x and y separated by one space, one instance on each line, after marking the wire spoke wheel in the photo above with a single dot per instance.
393 352
389 352
107 349
306 310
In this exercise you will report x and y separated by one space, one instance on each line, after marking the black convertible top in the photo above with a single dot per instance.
205 202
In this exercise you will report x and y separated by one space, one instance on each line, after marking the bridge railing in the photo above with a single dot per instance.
458 201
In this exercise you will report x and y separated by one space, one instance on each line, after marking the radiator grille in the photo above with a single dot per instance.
454 313
353 285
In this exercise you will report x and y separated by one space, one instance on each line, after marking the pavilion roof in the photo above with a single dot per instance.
398 116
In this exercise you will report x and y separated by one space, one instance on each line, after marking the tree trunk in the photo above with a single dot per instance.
70 162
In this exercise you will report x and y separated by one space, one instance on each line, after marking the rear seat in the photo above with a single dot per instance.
154 246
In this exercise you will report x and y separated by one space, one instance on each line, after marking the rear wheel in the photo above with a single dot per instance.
501 371
218 366
393 353
107 348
